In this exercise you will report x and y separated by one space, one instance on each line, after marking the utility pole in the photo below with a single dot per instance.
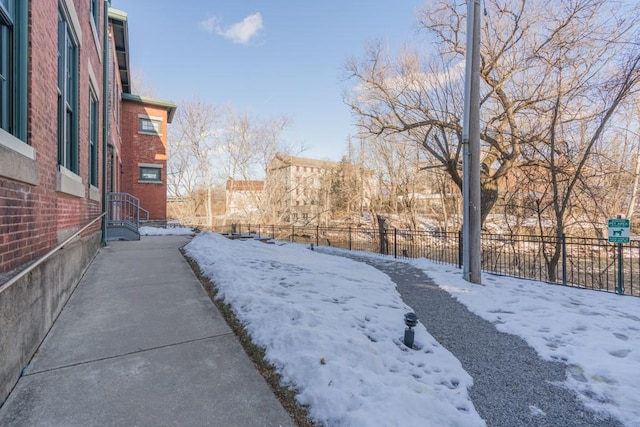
471 250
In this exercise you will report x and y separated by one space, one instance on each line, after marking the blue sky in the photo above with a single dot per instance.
269 57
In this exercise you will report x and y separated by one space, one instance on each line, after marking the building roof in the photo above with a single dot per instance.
233 185
303 161
169 105
120 28
118 21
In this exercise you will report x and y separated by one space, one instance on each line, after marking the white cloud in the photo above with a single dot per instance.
240 32
209 25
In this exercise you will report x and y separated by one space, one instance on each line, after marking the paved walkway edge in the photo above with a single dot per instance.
140 343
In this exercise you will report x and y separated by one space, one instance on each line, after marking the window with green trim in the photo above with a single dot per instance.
148 125
67 95
6 78
93 138
148 173
13 67
95 12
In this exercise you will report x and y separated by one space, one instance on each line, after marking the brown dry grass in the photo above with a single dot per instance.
285 395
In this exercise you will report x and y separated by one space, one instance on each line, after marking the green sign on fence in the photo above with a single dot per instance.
619 230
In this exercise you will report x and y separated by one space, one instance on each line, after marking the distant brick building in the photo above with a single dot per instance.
144 152
303 191
138 144
64 144
244 201
299 189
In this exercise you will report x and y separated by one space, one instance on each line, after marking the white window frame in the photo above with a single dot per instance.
150 166
156 124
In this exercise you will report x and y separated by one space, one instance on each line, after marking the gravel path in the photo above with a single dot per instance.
513 386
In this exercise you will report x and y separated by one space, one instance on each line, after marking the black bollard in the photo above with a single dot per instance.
411 320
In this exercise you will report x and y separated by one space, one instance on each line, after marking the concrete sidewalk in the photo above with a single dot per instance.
140 343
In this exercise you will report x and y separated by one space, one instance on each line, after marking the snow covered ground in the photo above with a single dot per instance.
333 328
596 333
171 231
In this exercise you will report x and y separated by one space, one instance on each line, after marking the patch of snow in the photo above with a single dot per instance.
171 231
596 333
333 328
536 412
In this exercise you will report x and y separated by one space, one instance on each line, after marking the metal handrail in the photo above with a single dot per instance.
48 255
124 210
146 218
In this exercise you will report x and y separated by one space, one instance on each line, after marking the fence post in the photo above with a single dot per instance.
349 237
273 232
293 231
395 242
459 248
259 237
564 259
620 284
317 235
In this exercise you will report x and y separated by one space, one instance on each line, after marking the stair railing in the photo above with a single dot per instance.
123 210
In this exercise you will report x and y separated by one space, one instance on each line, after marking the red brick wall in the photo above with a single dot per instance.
142 148
32 217
115 135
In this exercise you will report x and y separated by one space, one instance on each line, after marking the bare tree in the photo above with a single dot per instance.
249 144
398 164
193 144
140 83
213 146
535 55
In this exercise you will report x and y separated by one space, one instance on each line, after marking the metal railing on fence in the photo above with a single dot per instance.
123 209
572 261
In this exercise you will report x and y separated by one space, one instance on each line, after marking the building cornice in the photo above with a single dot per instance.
168 105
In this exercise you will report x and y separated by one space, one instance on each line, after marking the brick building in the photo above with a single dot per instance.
245 201
299 189
137 158
144 152
303 191
63 147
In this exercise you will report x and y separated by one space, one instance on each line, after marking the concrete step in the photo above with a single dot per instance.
117 232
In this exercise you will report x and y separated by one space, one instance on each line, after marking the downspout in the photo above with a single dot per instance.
112 183
105 114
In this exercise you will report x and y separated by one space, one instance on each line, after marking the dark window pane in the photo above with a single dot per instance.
150 174
150 125
93 139
6 100
67 96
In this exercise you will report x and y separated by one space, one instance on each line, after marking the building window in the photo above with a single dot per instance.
67 95
93 138
148 173
6 75
148 125
95 12
13 67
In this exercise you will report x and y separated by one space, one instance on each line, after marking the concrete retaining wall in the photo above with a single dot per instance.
29 307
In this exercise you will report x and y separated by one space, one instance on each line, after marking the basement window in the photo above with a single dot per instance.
150 174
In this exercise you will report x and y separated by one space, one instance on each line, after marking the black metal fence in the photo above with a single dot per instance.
572 261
